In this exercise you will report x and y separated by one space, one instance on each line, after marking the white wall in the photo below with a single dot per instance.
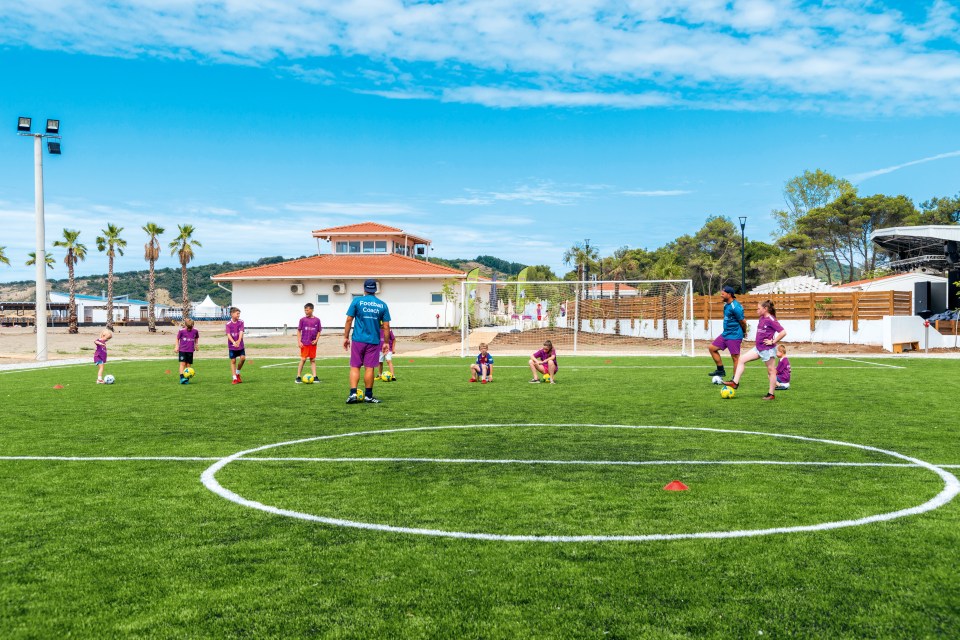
269 303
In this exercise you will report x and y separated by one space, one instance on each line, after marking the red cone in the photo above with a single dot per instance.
167 371
411 361
607 361
676 485
819 361
58 386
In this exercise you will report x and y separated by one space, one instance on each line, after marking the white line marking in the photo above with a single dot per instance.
786 463
110 458
576 367
875 364
950 490
284 364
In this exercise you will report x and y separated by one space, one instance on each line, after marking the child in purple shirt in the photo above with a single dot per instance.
544 361
783 369
100 353
769 333
235 350
187 339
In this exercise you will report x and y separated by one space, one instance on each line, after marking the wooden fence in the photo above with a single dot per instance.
829 305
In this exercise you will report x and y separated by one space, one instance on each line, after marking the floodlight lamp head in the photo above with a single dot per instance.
53 126
23 125
743 221
53 148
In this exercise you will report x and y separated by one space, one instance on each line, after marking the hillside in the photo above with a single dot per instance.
134 283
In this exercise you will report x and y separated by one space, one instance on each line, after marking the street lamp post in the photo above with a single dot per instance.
743 252
53 132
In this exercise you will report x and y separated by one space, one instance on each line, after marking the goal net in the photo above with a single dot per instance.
604 317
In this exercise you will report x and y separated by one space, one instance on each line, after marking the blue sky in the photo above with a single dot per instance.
494 127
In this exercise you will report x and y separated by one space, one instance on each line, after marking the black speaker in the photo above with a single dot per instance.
938 297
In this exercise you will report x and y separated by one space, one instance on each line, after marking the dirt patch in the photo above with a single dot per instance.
437 337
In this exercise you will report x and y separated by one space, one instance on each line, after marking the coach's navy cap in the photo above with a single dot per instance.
727 289
370 286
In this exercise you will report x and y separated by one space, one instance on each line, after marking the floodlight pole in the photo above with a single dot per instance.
40 323
743 252
41 254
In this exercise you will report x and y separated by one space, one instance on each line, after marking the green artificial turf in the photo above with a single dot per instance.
141 548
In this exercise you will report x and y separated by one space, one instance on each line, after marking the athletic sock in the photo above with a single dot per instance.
369 392
353 391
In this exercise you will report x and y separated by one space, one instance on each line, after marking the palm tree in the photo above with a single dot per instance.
151 253
75 253
666 268
616 268
3 256
112 243
182 247
32 259
582 256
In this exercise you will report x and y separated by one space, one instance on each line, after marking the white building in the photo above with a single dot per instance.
93 309
274 295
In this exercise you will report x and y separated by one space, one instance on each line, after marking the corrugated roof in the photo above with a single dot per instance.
859 282
344 266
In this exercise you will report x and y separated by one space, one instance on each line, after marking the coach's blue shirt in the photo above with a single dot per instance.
732 316
368 312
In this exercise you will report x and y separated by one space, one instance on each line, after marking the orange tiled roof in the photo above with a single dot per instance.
609 286
344 266
360 227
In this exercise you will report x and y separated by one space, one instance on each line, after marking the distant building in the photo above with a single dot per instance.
93 309
273 295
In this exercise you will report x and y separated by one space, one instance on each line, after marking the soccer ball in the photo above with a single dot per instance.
716 380
308 379
386 377
546 377
727 392
109 379
189 373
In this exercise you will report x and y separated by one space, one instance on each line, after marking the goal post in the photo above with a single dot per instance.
599 317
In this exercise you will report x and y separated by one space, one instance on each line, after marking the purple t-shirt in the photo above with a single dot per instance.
187 340
391 340
543 355
783 370
309 328
234 329
766 329
100 353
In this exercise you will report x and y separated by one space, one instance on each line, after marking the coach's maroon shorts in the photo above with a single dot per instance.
363 354
733 346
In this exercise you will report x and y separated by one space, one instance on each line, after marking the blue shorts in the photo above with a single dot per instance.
237 353
99 362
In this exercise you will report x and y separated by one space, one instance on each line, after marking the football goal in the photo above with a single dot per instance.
601 317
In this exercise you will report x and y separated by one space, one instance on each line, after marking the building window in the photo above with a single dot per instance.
368 246
380 246
323 298
436 298
343 247
399 248
355 247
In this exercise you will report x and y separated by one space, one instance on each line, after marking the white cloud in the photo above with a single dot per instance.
657 193
542 193
852 56
866 175
360 209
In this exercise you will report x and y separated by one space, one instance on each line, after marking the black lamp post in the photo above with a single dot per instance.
743 252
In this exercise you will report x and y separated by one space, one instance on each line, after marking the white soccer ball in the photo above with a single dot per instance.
108 379
717 380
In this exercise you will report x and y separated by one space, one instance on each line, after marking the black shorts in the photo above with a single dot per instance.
186 356
237 353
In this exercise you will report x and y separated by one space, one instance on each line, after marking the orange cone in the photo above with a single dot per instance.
676 485
58 386
167 371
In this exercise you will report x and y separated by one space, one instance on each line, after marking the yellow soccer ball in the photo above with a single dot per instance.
189 372
308 379
727 392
